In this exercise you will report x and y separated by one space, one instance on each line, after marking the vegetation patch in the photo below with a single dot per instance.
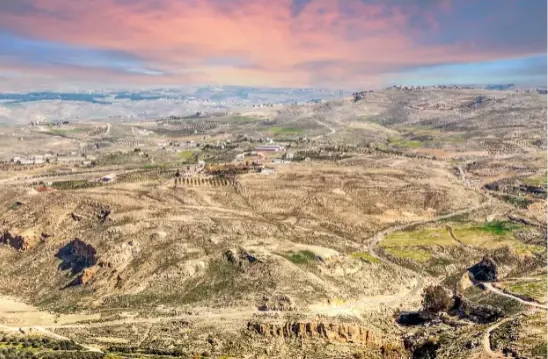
422 237
509 306
43 348
414 254
302 257
286 131
368 119
520 202
534 289
74 184
402 143
499 227
152 166
245 119
540 350
365 256
495 234
539 181
185 155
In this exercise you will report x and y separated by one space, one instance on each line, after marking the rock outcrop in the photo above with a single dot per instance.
77 255
341 332
330 332
240 258
88 275
17 242
485 270
277 303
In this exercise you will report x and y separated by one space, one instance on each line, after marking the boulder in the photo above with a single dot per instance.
86 276
17 242
77 255
485 270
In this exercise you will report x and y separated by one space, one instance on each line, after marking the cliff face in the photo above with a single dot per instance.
341 332
331 332
313 330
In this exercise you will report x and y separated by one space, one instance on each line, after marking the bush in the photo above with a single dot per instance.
435 299
302 257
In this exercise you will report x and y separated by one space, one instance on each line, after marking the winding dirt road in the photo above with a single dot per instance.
486 339
343 308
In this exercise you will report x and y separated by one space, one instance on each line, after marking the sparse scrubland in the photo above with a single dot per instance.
404 224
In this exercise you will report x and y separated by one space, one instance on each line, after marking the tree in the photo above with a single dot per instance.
435 299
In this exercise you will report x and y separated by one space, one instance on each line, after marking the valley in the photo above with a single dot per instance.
311 230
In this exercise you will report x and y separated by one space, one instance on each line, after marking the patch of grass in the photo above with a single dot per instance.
415 254
422 237
539 181
478 296
365 256
13 207
286 131
302 257
245 119
495 234
151 166
74 184
499 227
540 349
536 289
519 202
185 155
367 119
398 142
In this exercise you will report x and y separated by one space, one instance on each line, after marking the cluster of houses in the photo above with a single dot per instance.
184 144
59 158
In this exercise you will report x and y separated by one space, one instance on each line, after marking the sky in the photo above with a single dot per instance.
339 44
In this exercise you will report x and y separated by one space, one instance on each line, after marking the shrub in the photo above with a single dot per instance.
302 257
435 299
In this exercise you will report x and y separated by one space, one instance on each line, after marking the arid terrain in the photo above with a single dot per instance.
390 224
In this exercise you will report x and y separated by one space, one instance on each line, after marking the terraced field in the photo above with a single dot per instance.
457 245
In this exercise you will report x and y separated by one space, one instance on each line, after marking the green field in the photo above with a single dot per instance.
185 155
539 181
422 237
245 119
533 289
427 244
365 256
402 143
495 234
74 184
286 131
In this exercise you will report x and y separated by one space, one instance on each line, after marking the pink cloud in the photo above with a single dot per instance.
355 42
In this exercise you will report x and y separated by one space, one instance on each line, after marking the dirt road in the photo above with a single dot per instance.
486 339
497 291
332 131
45 332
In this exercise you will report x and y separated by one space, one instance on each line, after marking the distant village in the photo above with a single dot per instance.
73 158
